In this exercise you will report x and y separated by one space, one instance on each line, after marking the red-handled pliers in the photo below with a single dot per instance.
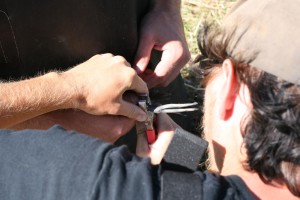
148 126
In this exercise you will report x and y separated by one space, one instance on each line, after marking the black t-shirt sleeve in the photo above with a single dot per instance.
215 187
56 164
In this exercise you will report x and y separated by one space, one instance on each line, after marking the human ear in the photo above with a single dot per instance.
229 89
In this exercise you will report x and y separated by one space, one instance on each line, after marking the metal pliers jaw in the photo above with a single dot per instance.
145 103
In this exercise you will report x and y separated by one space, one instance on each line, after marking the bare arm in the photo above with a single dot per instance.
26 99
106 127
95 87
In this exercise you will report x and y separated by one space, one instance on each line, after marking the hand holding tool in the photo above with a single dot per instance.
148 126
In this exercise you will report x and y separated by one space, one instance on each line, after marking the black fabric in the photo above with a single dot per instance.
178 185
186 149
202 185
237 183
217 187
57 164
38 35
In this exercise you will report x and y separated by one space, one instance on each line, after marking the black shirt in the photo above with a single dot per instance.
39 36
58 164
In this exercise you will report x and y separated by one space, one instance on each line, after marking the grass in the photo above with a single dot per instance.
195 12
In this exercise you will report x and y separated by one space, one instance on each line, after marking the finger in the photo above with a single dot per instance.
174 57
165 72
170 59
137 84
132 111
110 127
143 54
164 77
142 147
151 80
121 59
165 128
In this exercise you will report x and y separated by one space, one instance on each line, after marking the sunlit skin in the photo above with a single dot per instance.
226 104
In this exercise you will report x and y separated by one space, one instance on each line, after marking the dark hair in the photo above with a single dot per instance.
272 130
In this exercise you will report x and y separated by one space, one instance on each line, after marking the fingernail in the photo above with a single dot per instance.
141 117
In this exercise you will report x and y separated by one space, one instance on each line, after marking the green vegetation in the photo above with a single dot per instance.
195 12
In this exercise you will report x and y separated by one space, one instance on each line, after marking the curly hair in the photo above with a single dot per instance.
271 131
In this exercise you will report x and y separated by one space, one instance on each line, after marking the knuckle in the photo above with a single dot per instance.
109 55
122 129
95 57
120 59
125 127
99 57
129 75
119 131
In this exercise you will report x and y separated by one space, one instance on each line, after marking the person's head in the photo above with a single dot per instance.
251 71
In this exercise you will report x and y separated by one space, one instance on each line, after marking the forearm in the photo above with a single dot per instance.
23 100
47 120
106 127
95 87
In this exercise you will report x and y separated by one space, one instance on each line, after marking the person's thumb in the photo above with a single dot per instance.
132 111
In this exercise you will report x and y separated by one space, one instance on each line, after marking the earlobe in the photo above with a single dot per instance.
228 91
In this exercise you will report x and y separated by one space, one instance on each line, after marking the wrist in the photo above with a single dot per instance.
69 90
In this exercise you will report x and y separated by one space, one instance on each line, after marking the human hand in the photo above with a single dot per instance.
162 30
108 128
156 151
100 84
